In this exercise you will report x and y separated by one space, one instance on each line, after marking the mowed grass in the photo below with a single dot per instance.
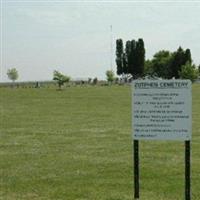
76 144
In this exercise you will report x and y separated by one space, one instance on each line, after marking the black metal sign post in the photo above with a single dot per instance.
136 168
187 171
155 103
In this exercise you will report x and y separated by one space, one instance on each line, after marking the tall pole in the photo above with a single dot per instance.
1 41
136 169
111 48
187 171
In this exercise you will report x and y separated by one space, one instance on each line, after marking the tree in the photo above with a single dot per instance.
135 54
13 74
119 56
148 68
60 78
166 64
199 69
188 57
127 56
110 76
188 71
125 64
139 58
95 81
161 64
132 60
180 57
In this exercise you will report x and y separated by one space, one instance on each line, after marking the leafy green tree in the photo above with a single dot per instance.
188 71
60 78
179 58
132 60
139 58
188 57
95 81
130 48
110 76
166 64
125 64
161 64
127 56
148 68
13 74
136 57
119 56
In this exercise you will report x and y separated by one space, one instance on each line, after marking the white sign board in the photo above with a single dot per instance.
162 110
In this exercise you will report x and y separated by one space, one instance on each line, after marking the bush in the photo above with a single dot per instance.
95 81
110 76
189 71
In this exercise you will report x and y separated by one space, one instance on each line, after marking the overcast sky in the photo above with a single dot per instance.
38 37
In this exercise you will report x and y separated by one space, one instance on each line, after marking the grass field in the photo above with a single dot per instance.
76 144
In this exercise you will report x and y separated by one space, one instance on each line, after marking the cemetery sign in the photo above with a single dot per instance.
162 110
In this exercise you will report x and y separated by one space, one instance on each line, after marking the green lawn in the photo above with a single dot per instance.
76 144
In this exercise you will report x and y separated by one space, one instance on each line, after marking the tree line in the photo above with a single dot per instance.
164 64
61 78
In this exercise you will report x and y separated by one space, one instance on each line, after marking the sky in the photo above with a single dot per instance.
75 37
